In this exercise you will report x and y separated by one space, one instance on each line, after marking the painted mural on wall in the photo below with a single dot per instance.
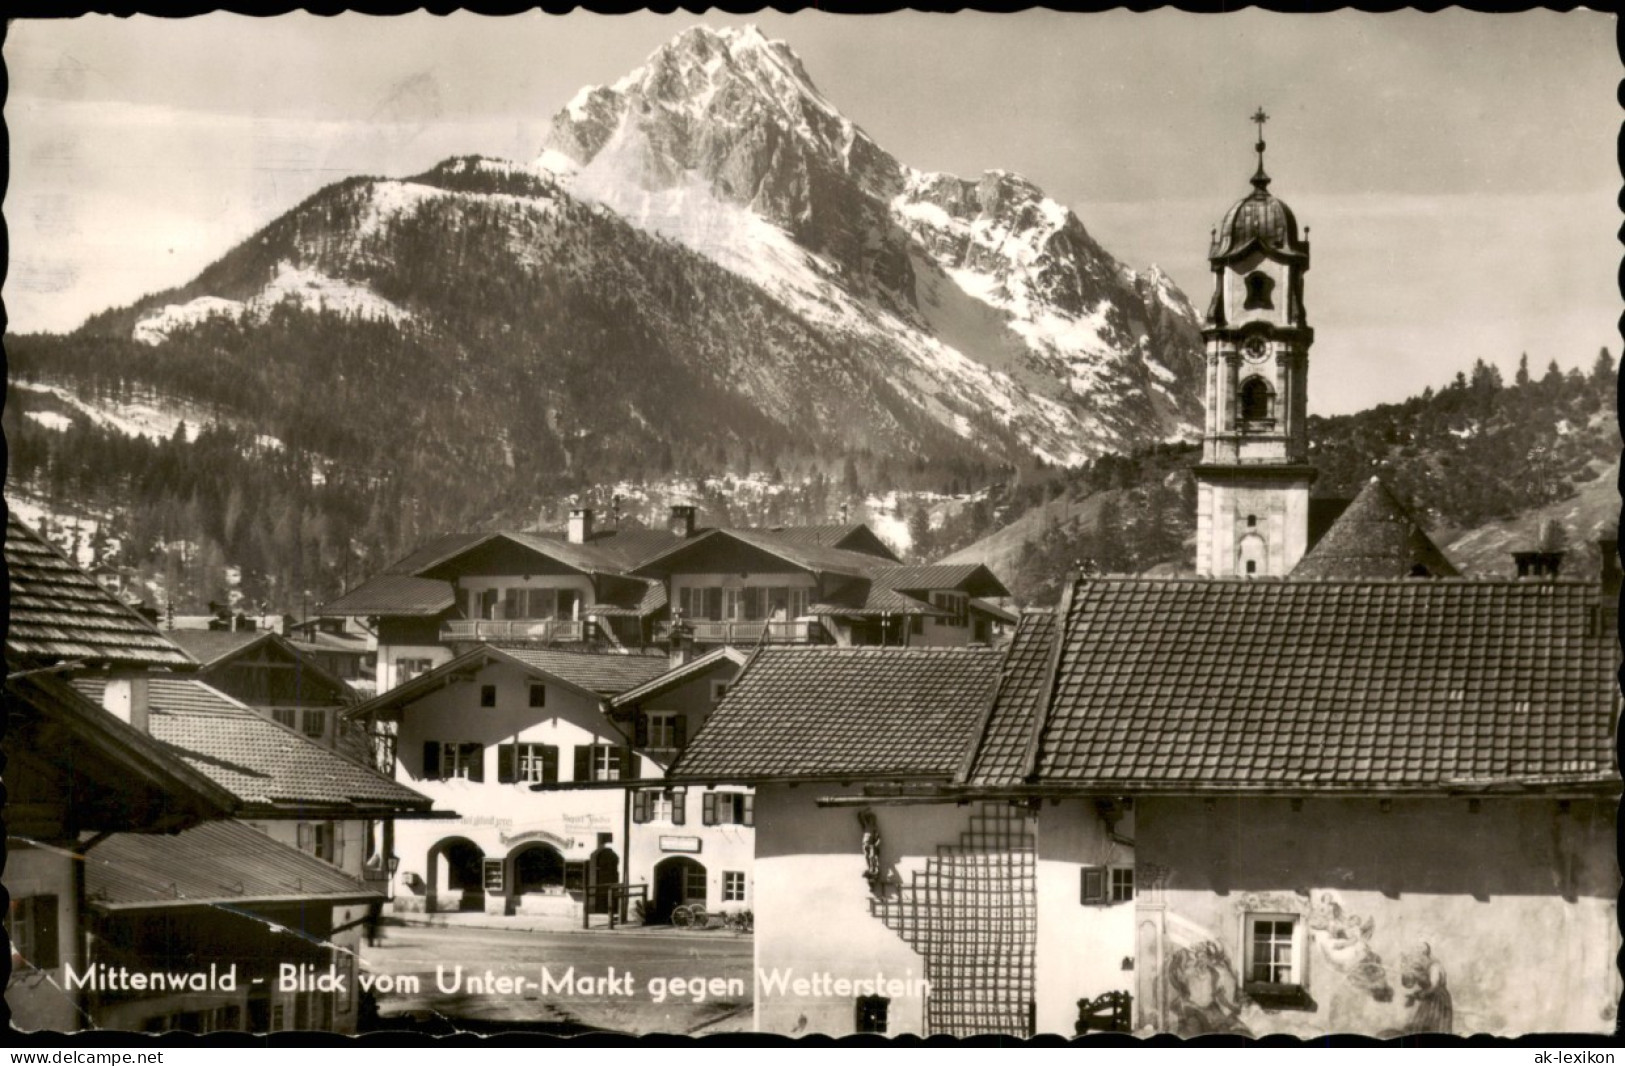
1204 996
1348 985
1425 993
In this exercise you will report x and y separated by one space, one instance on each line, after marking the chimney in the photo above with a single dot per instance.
580 528
682 643
1544 564
682 521
1608 549
126 697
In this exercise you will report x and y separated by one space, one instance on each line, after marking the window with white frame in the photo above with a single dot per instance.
531 764
597 762
287 716
733 886
1273 950
659 805
728 808
1105 885
447 760
313 723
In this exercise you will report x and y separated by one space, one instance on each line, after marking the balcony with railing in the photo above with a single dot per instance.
707 631
518 630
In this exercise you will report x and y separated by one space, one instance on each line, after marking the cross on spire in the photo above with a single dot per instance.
1261 180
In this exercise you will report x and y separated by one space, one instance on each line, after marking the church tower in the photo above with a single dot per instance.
1252 511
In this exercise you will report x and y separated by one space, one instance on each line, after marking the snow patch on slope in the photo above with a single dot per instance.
306 287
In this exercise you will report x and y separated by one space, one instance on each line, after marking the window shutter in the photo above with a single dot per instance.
505 763
303 835
583 762
640 729
550 764
1094 884
46 954
679 731
679 808
338 843
750 809
431 760
635 767
640 806
713 604
708 809
476 761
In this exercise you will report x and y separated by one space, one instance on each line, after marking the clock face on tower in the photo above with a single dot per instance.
1255 350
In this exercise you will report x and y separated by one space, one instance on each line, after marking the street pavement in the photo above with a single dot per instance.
497 980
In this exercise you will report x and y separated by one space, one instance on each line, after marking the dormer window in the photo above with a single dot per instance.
1260 286
1257 400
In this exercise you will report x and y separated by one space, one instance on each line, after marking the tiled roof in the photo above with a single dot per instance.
1376 536
680 675
839 712
1001 750
219 862
1331 685
607 675
973 578
122 778
209 645
848 536
864 600
59 612
394 594
268 767
435 550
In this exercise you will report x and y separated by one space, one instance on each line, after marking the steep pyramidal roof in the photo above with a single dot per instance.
1377 537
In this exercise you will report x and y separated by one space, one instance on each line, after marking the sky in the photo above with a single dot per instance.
1456 170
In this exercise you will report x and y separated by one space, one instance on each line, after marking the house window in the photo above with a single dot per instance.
733 886
407 669
531 764
285 716
1105 885
719 689
700 604
665 730
916 624
658 805
313 723
598 762
871 1017
729 808
488 695
448 760
321 839
955 603
1274 954
538 695
694 887
31 925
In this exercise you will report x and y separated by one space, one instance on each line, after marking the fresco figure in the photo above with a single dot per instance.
1205 994
1425 993
1347 945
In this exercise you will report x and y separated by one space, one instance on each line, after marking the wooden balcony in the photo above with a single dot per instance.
705 631
519 630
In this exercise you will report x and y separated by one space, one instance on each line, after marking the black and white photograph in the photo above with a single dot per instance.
813 524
